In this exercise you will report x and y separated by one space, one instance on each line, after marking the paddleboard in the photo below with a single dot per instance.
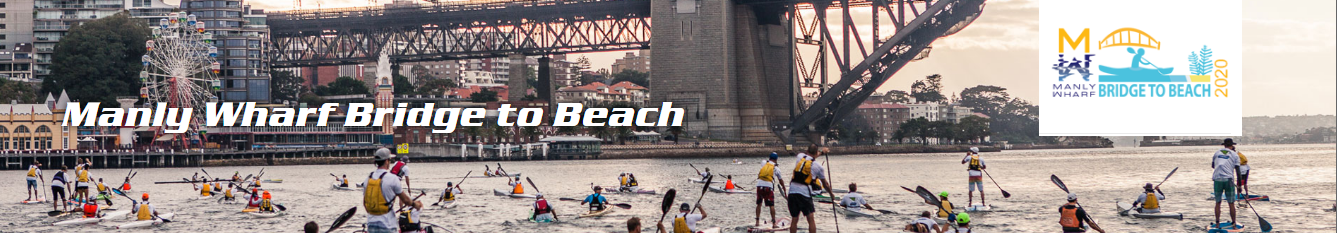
860 213
146 223
1225 227
732 191
699 180
979 208
782 224
592 214
33 201
1250 197
1126 209
349 188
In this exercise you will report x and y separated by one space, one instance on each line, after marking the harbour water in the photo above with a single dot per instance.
1301 181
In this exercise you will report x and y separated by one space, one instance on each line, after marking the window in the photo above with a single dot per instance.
2 36
236 83
236 43
259 89
2 5
2 26
235 96
2 15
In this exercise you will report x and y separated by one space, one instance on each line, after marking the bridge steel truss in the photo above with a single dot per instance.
917 24
449 32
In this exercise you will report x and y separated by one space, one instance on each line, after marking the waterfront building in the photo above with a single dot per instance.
52 19
633 61
883 118
16 38
36 127
929 111
599 93
16 63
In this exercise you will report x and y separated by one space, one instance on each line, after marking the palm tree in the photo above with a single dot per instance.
675 130
623 132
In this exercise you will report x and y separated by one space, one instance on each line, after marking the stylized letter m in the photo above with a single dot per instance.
1084 39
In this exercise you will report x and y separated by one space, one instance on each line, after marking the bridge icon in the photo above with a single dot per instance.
1129 37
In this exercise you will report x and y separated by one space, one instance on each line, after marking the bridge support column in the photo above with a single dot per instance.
516 86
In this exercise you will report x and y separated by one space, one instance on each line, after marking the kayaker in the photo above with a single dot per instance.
976 177
1225 165
597 201
766 179
381 190
806 173
449 193
267 202
1071 217
253 199
1150 199
704 175
487 171
58 181
924 224
517 187
622 181
125 186
962 223
854 201
207 190
144 210
728 183
103 192
632 185
686 223
227 194
255 182
400 168
634 226
410 218
34 174
500 171
944 206
1243 182
218 187
1137 57
343 182
236 176
91 209
543 212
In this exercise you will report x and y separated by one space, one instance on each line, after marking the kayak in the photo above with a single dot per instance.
531 218
698 180
500 192
979 208
145 223
638 191
350 188
728 191
711 230
259 214
1126 209
77 221
116 214
33 201
522 195
1225 227
856 213
508 175
592 214
273 181
821 198
449 204
782 224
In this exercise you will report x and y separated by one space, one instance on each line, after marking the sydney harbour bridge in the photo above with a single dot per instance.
736 66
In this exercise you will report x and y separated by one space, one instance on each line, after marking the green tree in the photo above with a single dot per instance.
636 77
988 100
568 130
311 100
435 86
286 86
676 131
483 96
98 60
343 86
17 91
917 128
974 127
928 90
897 96
403 86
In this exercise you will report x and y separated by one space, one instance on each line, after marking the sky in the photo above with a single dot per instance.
1290 48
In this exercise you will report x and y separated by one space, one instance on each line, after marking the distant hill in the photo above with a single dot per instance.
1262 126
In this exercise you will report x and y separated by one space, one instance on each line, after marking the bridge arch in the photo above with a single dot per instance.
1129 37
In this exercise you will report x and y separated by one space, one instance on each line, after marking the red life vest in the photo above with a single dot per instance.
543 207
90 210
399 165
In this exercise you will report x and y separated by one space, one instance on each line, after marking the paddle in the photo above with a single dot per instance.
704 188
536 190
1059 183
135 203
1262 223
206 174
339 222
1167 177
836 217
1158 69
667 203
457 185
503 171
995 183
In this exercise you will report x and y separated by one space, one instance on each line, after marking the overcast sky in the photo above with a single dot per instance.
1290 49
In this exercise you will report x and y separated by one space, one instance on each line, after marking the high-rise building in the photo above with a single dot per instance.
633 61
16 37
52 19
242 38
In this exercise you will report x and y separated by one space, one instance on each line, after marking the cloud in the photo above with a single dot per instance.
1289 36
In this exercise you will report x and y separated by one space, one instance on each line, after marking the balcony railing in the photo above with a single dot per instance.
51 27
79 6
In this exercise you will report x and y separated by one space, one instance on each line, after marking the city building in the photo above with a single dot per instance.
565 73
16 38
16 63
929 111
599 93
242 38
632 61
478 78
421 71
884 118
52 19
34 127
954 112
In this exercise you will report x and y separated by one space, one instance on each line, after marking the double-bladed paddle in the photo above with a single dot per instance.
536 190
339 222
619 205
667 203
704 188
1058 182
135 203
466 177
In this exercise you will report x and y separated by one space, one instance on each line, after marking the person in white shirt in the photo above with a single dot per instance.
853 201
383 186
34 174
807 172
1225 166
685 219
767 178
924 224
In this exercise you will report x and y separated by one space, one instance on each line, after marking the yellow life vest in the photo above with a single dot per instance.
228 193
803 171
266 205
945 210
83 175
631 182
767 172
32 171
144 212
372 197
623 180
1243 160
680 225
1152 202
345 182
101 187
974 162
205 191
449 195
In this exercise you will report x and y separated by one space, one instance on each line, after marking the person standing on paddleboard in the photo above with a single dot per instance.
685 221
34 174
82 179
1225 166
58 188
381 191
766 179
1071 217
807 172
975 181
1150 199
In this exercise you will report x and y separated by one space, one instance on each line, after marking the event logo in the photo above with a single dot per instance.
1129 62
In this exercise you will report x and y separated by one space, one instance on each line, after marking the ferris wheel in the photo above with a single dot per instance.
179 66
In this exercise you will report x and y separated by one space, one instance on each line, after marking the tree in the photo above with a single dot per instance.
897 96
418 70
568 130
916 128
17 91
624 132
988 100
343 86
974 128
286 86
403 86
435 86
636 77
531 133
676 131
583 63
928 90
588 78
99 60
483 96
311 100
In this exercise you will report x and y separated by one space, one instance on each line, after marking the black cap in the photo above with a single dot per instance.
1228 142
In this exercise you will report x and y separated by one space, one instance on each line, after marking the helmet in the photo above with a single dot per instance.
145 196
942 194
962 218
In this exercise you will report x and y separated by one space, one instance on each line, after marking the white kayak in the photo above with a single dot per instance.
592 214
728 191
782 224
116 215
500 192
349 188
146 223
259 214
1126 209
979 208
77 221
712 230
858 213
509 175
698 180
33 201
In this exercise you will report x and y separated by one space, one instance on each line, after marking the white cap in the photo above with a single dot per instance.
975 149
383 154
1072 196
538 195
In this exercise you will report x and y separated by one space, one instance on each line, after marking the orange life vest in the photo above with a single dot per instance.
1068 217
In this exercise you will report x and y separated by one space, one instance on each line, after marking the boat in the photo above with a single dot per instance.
260 214
521 195
698 180
500 192
1136 71
712 230
592 214
336 186
637 191
77 221
146 223
273 181
508 175
979 208
116 214
729 191
33 201
857 213
782 224
1225 227
1126 209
